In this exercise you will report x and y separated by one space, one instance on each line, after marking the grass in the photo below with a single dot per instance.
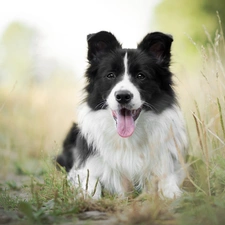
34 122
205 119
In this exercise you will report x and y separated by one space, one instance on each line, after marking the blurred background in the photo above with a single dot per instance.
43 58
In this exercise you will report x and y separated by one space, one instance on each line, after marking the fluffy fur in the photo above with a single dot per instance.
130 132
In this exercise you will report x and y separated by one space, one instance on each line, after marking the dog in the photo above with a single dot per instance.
130 133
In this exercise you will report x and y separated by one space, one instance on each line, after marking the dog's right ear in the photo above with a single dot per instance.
158 44
100 43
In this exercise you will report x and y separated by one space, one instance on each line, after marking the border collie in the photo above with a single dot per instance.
130 132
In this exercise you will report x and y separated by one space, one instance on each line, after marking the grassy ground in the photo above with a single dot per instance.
35 119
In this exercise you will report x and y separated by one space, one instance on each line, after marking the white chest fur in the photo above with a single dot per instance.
152 149
155 150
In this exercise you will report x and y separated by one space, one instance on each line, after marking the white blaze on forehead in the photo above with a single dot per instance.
125 61
126 73
125 84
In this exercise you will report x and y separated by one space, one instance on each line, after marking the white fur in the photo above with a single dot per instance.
152 156
127 85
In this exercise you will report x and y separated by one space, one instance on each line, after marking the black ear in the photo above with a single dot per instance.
100 43
159 45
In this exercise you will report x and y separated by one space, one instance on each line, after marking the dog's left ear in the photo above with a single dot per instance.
158 45
101 43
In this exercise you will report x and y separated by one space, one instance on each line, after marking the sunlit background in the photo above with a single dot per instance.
41 38
43 59
53 33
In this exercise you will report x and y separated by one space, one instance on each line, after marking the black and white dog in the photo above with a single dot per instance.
130 132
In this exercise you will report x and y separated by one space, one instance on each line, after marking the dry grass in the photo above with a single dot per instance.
33 123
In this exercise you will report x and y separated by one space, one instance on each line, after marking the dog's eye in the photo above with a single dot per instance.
140 76
111 76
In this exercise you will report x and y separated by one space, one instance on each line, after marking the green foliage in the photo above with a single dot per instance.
21 59
12 185
7 201
185 21
199 209
18 49
189 17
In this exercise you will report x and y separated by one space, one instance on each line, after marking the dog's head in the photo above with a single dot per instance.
129 81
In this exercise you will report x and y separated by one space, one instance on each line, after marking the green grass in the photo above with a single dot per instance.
35 120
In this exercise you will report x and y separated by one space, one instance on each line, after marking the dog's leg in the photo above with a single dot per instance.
171 178
66 158
85 182
172 171
169 187
86 177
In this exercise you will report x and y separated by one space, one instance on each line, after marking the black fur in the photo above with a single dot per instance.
72 140
66 159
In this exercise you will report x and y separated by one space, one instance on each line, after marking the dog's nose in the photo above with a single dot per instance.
123 97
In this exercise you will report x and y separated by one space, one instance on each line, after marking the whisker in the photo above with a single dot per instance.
101 105
150 106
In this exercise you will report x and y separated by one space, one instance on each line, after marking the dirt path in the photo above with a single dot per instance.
91 217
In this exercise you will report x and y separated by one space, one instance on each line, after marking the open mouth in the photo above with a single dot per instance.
125 121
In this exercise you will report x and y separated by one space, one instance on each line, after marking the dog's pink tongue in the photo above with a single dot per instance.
125 123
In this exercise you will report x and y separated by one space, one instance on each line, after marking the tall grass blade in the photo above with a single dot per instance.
221 117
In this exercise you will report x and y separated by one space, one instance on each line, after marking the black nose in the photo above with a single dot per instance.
123 97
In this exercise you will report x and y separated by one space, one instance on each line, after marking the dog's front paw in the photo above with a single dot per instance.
171 192
169 188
